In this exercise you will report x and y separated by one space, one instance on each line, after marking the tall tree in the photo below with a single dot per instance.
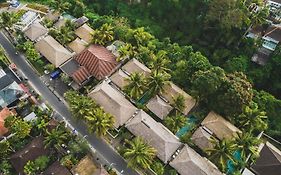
160 62
136 85
157 81
7 19
179 102
103 35
99 122
59 5
126 51
139 153
56 137
174 123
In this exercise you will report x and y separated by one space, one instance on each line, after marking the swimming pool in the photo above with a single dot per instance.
191 121
230 164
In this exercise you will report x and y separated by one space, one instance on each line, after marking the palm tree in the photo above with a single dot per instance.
126 51
222 152
160 62
103 35
99 122
7 19
247 145
56 137
139 153
252 119
136 85
60 5
179 102
157 81
174 123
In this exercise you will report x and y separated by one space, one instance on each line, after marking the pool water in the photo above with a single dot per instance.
191 121
230 164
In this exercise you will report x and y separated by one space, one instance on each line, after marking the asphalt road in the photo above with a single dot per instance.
98 144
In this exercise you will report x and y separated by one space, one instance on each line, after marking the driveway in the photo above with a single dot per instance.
98 144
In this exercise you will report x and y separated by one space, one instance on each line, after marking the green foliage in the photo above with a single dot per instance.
103 35
5 167
237 64
157 81
30 51
18 126
64 34
174 123
8 19
56 137
139 153
158 168
136 85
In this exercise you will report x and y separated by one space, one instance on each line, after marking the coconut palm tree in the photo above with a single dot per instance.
139 153
99 122
247 145
252 119
59 5
56 137
136 85
178 102
174 123
157 81
160 62
126 51
103 35
222 152
7 19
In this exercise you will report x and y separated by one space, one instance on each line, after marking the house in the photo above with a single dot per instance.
81 75
30 152
35 31
56 169
98 60
4 113
10 90
134 66
272 37
220 127
269 161
159 107
171 91
53 51
189 162
155 134
77 45
87 166
113 102
26 20
85 33
202 138
119 78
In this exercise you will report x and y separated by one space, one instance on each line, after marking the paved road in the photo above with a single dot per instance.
101 147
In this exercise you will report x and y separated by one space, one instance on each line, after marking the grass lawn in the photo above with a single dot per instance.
39 67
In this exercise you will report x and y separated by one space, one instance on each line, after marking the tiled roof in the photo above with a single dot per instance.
81 75
98 60
119 78
4 113
134 66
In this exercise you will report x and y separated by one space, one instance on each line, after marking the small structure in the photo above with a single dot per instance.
189 162
77 45
113 102
155 134
4 113
56 169
32 151
10 91
80 21
35 31
202 138
171 91
87 166
113 48
269 161
134 66
30 117
84 32
26 20
53 51
222 128
159 107
98 60
119 78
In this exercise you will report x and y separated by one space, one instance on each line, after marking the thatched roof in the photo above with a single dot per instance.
202 138
56 169
155 134
113 102
77 45
269 162
134 66
53 51
172 91
219 126
119 78
189 162
35 31
84 32
159 107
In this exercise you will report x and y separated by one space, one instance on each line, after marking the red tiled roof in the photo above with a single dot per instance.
98 60
80 75
3 115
